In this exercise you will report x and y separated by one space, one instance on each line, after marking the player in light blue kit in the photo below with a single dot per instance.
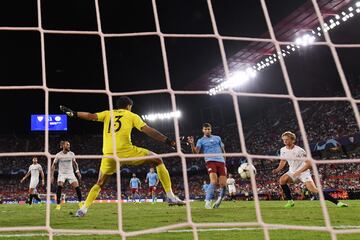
205 186
135 184
153 179
215 164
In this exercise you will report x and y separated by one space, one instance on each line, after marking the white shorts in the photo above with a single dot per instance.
304 177
232 189
67 177
33 183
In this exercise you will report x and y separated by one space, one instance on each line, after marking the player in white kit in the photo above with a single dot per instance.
298 170
35 170
230 182
66 161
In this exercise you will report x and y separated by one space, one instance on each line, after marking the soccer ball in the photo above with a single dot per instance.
244 170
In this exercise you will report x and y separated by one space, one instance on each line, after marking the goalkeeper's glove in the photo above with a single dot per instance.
170 142
68 111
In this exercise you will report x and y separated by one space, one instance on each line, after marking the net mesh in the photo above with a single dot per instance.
189 223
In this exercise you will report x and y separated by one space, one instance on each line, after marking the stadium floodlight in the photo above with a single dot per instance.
305 40
161 116
237 79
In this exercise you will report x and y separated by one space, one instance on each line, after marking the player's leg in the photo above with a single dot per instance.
95 190
153 194
310 185
164 177
221 170
30 199
211 188
138 195
60 185
36 196
284 181
75 184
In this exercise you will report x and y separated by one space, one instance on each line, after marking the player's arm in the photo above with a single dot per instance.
25 177
82 115
139 183
155 134
77 170
147 177
282 164
194 149
53 169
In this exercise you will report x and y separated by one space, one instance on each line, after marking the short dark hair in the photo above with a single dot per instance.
206 125
123 102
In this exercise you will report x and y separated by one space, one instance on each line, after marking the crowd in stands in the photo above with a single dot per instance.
322 121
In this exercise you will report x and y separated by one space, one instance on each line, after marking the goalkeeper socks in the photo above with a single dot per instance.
58 194
78 192
94 192
330 198
210 192
287 192
164 177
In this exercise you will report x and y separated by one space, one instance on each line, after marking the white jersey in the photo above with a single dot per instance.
65 161
230 182
289 154
35 171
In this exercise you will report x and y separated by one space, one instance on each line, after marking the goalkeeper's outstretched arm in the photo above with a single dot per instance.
82 115
155 134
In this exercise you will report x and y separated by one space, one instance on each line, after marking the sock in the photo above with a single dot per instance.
164 177
222 192
58 194
210 192
78 192
153 198
94 192
31 198
330 198
287 192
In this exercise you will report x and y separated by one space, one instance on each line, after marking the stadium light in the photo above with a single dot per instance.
240 77
161 116
236 79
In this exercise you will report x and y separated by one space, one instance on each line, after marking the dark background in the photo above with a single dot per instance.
136 63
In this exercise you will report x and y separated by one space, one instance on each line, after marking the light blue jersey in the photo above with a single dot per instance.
212 144
152 178
134 182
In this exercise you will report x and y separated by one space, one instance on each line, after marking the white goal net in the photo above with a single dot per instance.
224 90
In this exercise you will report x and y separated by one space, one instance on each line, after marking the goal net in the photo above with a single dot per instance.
225 87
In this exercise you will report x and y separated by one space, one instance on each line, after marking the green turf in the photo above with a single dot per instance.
145 216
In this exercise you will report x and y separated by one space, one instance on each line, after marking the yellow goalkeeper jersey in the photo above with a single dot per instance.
124 122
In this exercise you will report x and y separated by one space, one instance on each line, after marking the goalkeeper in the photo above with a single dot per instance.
124 121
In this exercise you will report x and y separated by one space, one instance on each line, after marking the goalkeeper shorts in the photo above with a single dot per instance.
108 165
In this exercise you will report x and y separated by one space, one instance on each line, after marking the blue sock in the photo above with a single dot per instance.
153 198
222 192
210 192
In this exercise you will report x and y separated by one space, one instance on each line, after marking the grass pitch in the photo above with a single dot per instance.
145 216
